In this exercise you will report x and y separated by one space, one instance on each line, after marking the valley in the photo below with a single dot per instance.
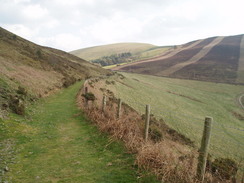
45 137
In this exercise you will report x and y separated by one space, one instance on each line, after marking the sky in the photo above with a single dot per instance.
74 24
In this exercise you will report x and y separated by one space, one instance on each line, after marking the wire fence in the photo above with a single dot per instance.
227 141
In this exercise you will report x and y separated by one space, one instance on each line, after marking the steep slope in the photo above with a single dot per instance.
30 69
215 59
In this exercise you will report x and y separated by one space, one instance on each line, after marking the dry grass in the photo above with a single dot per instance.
126 129
40 70
169 160
166 163
172 157
35 80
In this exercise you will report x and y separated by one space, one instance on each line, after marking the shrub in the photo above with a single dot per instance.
22 91
17 105
225 168
69 80
39 53
89 96
14 37
155 134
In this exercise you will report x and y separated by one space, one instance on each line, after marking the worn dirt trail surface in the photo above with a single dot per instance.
60 145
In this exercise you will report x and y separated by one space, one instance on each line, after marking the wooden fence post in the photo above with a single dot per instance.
147 120
104 103
86 90
203 152
119 108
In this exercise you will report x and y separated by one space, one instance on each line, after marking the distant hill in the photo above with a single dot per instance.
96 52
26 67
216 59
111 54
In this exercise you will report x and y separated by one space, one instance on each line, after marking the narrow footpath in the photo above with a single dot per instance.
59 145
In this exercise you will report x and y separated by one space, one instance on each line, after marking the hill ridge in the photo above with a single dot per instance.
96 52
38 70
215 59
204 51
167 54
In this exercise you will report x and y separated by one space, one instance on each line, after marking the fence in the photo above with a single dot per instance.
211 128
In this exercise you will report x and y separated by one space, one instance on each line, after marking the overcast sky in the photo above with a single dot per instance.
74 24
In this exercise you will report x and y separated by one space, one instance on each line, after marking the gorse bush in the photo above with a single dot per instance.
22 91
17 105
69 80
155 134
89 96
225 168
39 53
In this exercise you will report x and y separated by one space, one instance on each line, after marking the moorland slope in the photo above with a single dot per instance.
215 59
29 69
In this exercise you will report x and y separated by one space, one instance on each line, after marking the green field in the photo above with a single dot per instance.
54 142
184 104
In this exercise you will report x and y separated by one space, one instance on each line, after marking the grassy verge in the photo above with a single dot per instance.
55 143
183 105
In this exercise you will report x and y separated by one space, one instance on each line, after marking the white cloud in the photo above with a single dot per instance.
34 11
21 1
75 2
65 41
73 24
117 28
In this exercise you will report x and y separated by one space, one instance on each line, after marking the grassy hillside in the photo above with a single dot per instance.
110 55
183 105
219 64
37 70
106 50
216 59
